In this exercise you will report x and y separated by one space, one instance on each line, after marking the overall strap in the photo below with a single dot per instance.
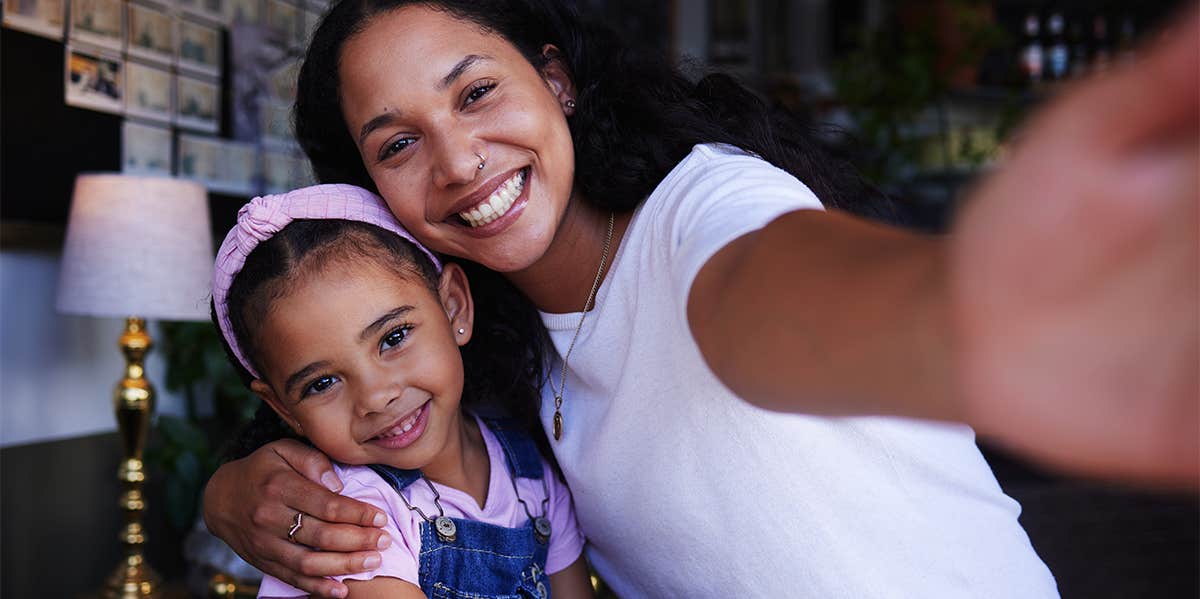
524 460
397 478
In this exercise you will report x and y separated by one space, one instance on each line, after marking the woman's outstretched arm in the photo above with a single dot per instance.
251 504
1060 318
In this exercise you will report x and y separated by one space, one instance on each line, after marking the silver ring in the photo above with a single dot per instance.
482 161
296 526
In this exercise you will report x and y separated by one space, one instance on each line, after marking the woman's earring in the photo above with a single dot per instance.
570 104
482 161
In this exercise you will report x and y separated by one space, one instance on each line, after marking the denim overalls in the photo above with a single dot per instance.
474 560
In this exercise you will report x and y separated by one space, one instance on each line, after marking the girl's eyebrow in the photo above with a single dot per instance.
299 376
388 316
387 117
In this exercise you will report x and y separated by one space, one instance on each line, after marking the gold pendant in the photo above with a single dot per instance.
558 424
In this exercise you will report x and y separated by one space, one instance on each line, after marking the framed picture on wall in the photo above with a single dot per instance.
94 79
285 170
145 149
199 47
148 91
283 79
243 11
312 18
151 33
197 103
283 20
198 158
210 10
275 124
39 17
238 169
98 22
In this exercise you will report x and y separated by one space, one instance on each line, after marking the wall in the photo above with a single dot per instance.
57 372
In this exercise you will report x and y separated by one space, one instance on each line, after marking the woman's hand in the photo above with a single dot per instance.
252 503
1074 274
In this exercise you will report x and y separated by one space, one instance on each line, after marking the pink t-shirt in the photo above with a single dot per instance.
400 559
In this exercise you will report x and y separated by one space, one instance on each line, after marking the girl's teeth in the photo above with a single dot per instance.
496 204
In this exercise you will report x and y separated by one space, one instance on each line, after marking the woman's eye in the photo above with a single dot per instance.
320 385
395 337
477 93
394 147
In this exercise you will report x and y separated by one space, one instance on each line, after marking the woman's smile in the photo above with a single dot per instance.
487 213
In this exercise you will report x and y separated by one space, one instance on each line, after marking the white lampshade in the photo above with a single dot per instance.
137 246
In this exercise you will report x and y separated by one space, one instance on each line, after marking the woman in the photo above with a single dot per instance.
701 268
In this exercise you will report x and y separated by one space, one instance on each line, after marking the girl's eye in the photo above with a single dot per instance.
393 147
320 385
477 92
395 337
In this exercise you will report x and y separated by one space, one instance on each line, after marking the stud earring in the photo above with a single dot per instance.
570 104
462 331
482 161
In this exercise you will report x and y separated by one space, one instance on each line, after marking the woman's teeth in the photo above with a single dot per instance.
498 203
401 427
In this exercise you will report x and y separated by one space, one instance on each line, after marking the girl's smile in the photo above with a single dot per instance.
363 360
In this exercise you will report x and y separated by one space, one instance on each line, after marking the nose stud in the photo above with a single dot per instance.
482 161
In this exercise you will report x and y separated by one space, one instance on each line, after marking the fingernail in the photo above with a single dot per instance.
340 592
380 520
371 562
384 541
331 482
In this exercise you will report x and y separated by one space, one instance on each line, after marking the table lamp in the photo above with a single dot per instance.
136 248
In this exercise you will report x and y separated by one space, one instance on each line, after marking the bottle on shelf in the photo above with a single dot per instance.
1032 53
1058 57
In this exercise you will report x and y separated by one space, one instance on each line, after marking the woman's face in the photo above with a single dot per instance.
426 95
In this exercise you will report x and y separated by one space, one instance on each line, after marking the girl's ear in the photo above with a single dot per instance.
558 78
265 393
455 293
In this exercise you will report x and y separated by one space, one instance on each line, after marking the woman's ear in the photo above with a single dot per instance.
265 393
558 78
455 293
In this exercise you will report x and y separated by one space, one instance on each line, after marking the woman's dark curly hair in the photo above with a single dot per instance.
636 115
502 363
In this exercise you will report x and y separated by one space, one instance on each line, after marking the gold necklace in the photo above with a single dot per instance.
562 386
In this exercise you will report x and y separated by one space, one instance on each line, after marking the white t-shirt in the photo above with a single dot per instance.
684 490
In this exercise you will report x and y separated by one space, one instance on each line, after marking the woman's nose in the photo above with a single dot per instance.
457 162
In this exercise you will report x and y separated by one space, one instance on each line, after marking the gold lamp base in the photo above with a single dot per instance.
133 402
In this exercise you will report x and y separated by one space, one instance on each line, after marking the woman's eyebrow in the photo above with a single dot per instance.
467 62
389 316
383 119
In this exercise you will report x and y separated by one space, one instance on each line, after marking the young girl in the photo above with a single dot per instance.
351 331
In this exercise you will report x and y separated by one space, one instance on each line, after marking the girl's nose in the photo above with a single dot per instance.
378 392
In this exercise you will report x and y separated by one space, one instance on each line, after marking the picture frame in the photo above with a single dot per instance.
243 11
275 124
312 18
237 168
283 20
150 33
149 92
284 171
197 103
44 18
198 47
94 79
198 159
212 11
284 79
98 23
145 149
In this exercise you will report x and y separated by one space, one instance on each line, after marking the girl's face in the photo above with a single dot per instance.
426 95
364 362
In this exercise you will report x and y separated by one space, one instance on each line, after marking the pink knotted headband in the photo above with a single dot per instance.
265 216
